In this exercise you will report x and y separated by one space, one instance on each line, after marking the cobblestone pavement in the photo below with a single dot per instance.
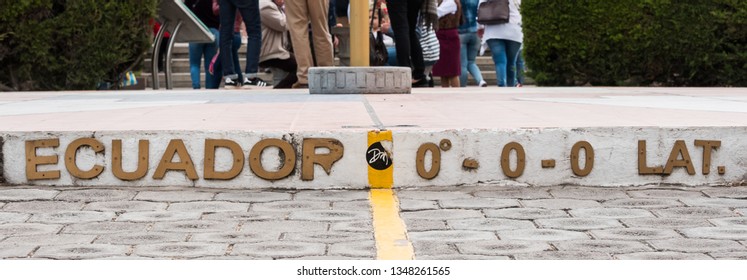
480 222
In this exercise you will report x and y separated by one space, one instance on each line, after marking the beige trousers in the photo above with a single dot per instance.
298 14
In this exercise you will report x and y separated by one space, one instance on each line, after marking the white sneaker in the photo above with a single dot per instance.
483 83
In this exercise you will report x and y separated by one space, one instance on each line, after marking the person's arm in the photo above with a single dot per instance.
273 18
216 7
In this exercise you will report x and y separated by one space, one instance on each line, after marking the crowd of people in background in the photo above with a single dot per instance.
440 38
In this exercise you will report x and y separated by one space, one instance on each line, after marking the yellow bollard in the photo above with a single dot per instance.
359 38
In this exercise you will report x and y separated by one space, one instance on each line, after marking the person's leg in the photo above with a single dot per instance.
416 51
520 67
498 49
195 57
227 17
400 25
464 42
287 65
323 50
210 50
298 25
455 81
392 54
512 52
473 48
235 55
249 10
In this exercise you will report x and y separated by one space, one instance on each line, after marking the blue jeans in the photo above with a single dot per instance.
392 53
249 10
199 52
504 57
218 67
468 51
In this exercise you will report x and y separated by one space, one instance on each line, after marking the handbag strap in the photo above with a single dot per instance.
370 25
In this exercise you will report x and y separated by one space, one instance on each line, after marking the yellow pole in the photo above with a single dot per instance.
359 22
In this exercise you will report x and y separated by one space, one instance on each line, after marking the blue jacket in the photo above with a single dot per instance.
469 16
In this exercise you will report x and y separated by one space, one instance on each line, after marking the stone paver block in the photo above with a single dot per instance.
351 205
90 195
734 192
81 251
16 251
564 255
330 237
284 226
490 224
174 196
330 215
446 214
180 250
716 202
209 206
478 203
634 234
433 248
665 194
138 238
47 239
742 211
643 203
462 257
665 223
662 256
195 226
357 249
588 193
10 217
425 225
541 235
280 249
697 245
235 237
578 223
560 203
525 213
322 258
521 193
27 194
126 206
452 236
432 195
42 206
15 229
158 216
245 216
502 247
605 246
360 80
695 212
356 226
730 222
611 213
105 228
332 195
71 217
288 206
253 196
730 256
733 233
417 205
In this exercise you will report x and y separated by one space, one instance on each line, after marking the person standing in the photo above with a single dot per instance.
504 41
274 40
448 65
249 10
200 53
298 14
403 15
470 44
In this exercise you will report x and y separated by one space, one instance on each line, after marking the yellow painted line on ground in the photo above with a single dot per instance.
389 229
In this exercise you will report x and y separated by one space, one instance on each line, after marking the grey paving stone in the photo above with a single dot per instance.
81 251
564 255
47 239
16 251
462 257
16 229
223 258
716 202
10 217
665 223
732 192
126 206
417 205
356 226
237 237
90 195
253 196
662 256
280 249
730 256
246 216
502 247
689 245
208 206
665 193
730 222
634 234
27 194
70 217
732 233
432 195
158 216
695 212
329 237
42 206
425 225
139 238
433 248
105 228
357 249
332 195
198 226
560 203
611 213
446 214
324 258
287 206
596 193
180 250
742 211
489 224
525 213
578 223
605 246
452 236
329 215
515 192
643 203
478 203
541 235
284 226
174 196
351 205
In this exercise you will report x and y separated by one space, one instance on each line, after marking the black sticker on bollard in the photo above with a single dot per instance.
378 158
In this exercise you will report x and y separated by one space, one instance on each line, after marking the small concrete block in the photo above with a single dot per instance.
662 256
158 216
688 245
235 237
425 225
332 195
732 233
71 217
490 224
541 235
279 249
502 247
560 203
329 237
525 213
605 246
14 229
126 206
10 217
81 251
478 203
198 226
245 216
730 222
665 223
139 238
588 193
731 192
180 250
432 195
330 215
417 205
665 194
611 213
447 214
253 196
42 206
47 239
26 194
730 256
695 212
7 252
208 206
634 234
360 80
580 224
716 202
521 193
564 255
462 257
433 248
105 228
356 226
284 226
644 203
351 205
288 206
357 249
452 236
90 195
174 196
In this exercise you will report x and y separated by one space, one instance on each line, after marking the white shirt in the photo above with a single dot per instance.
507 31
446 7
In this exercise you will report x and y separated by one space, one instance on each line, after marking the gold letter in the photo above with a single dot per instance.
236 153
643 168
32 160
708 146
176 146
435 161
71 154
143 155
520 160
679 149
589 158
310 157
286 152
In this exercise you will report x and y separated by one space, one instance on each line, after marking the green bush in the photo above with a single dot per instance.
75 44
636 42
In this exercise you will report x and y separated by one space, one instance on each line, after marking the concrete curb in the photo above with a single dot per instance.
360 80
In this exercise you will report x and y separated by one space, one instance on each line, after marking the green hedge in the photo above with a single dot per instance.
636 42
75 44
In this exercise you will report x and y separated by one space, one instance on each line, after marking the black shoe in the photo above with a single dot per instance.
230 83
256 81
421 83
